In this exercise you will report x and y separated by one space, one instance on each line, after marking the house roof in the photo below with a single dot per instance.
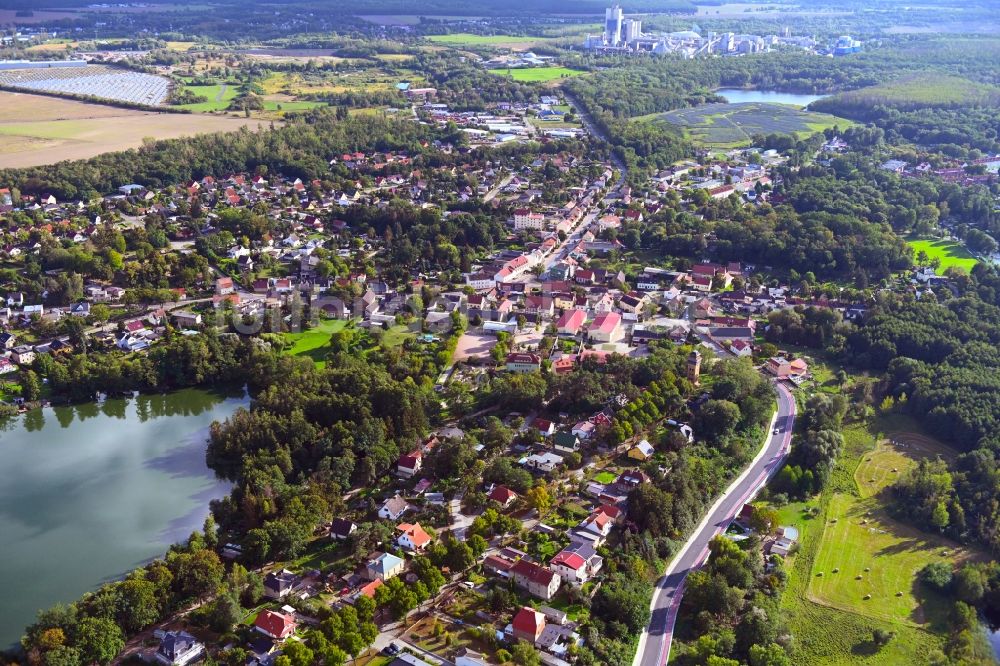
529 621
606 322
395 505
418 536
275 624
502 494
568 559
341 526
410 460
385 563
535 573
572 320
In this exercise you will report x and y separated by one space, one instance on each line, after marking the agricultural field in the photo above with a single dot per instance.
847 529
537 74
43 130
731 125
950 253
93 81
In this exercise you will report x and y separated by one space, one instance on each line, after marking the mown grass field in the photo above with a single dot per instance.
951 254
725 126
537 74
315 342
831 621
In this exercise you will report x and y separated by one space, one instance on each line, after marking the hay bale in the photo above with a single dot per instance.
836 570
867 597
858 577
867 569
819 574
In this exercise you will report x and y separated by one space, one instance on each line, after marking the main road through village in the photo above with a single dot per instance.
654 644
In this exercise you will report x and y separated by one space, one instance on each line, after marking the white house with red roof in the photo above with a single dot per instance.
606 327
272 624
503 496
412 537
409 464
570 322
577 562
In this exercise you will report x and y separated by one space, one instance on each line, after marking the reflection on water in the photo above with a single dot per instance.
741 96
90 491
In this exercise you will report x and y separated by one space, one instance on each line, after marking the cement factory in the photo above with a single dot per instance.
625 35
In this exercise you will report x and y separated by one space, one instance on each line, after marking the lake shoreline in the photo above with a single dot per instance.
87 504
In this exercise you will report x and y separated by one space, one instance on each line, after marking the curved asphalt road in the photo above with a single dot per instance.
654 644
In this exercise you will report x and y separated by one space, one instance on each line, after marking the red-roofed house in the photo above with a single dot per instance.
503 496
412 537
606 327
539 581
274 625
409 464
528 624
224 286
782 368
369 589
571 322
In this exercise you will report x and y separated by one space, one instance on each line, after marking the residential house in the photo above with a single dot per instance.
7 341
178 648
467 657
523 362
393 508
783 368
409 464
342 528
577 562
570 322
277 584
543 462
384 566
642 451
539 581
23 355
584 430
274 625
186 319
224 286
412 537
528 624
544 427
503 496
601 520
742 348
566 442
606 327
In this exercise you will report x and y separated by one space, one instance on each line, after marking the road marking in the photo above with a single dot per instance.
768 470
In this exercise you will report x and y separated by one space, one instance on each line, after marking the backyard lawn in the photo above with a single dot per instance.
314 342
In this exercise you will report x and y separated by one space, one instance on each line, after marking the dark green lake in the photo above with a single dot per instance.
91 491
